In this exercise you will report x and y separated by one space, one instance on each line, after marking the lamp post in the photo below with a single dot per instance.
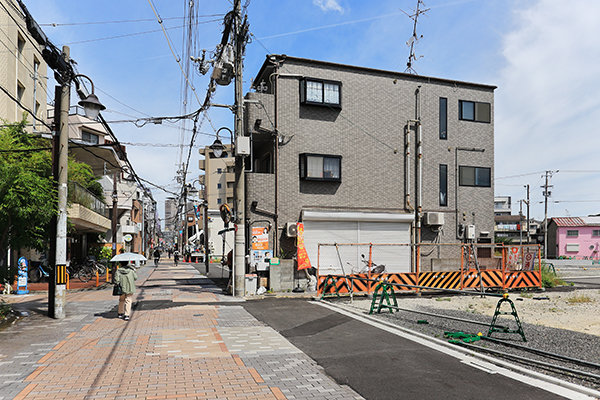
219 150
92 107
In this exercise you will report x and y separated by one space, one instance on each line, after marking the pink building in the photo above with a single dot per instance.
574 237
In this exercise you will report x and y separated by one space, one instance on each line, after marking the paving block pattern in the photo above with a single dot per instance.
181 342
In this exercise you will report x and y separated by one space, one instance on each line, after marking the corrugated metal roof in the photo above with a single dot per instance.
591 221
569 221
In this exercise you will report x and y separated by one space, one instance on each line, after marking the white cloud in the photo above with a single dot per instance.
548 97
327 5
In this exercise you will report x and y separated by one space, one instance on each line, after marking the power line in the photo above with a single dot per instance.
520 175
122 21
134 34
13 98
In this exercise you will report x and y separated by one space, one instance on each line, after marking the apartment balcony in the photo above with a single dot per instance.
134 229
86 212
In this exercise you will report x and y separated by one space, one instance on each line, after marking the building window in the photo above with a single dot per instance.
20 46
218 186
475 111
443 118
89 137
443 185
218 201
321 92
20 93
219 171
474 176
596 232
572 233
321 167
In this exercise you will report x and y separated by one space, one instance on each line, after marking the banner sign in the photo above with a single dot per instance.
260 238
303 261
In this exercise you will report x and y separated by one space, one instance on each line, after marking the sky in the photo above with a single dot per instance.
543 55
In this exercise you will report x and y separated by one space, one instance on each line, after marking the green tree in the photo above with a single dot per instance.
27 192
83 174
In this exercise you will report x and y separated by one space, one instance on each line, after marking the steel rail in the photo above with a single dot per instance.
530 361
544 353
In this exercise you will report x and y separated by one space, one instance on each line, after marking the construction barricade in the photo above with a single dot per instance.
357 267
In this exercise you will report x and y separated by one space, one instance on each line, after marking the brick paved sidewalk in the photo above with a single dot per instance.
184 340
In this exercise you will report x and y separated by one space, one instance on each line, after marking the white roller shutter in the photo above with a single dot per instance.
353 227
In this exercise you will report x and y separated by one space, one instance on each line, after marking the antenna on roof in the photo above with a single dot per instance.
414 38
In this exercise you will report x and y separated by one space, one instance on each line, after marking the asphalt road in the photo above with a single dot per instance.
378 364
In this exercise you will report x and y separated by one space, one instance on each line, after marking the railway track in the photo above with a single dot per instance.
566 355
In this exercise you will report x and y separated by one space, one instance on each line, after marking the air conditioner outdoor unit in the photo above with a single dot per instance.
291 229
434 218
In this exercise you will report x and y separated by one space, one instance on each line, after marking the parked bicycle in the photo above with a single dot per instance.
375 268
86 270
39 272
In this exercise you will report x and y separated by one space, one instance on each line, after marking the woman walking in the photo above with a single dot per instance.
126 277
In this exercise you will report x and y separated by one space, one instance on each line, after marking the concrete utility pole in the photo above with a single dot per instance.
115 203
547 193
239 264
60 281
527 202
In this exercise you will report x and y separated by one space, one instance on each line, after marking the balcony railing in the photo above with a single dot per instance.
80 195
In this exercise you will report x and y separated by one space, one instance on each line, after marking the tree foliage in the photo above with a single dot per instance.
83 174
27 192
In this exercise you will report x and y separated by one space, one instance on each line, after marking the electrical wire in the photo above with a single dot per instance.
13 98
135 34
175 55
122 21
27 150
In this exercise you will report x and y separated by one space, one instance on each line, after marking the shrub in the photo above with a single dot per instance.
549 277
5 309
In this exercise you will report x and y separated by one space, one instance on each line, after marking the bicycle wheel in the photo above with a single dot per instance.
34 275
85 274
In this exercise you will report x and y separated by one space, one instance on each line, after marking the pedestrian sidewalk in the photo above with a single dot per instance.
184 340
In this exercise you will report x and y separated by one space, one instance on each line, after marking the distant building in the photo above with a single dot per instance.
574 237
23 71
219 177
502 205
170 214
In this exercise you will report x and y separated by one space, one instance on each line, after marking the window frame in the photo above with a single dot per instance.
443 178
304 92
303 170
443 118
461 177
572 233
476 111
89 137
595 232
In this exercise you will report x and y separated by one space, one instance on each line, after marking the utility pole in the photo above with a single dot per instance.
115 203
184 245
521 222
60 280
547 193
527 202
239 262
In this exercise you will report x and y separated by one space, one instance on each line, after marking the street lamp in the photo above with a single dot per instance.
90 103
217 147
